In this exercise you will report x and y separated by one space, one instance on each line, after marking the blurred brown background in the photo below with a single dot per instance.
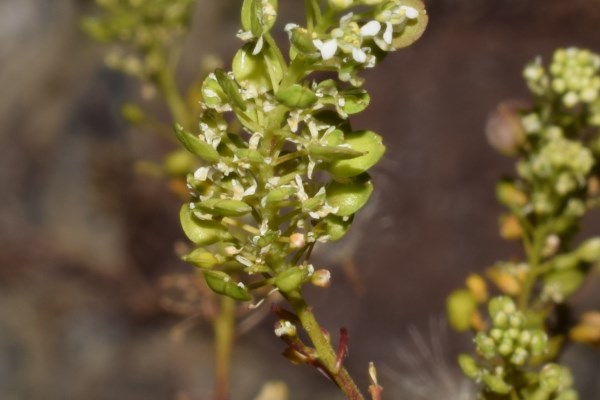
85 240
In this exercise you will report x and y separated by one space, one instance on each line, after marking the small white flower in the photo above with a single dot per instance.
327 48
201 173
245 35
387 35
410 12
255 140
259 46
359 55
243 260
370 29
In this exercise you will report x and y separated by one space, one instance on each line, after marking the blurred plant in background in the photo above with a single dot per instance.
557 146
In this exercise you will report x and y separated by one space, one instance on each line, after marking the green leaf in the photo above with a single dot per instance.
195 145
222 283
296 96
364 141
349 197
199 231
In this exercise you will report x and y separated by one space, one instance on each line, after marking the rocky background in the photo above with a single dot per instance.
86 241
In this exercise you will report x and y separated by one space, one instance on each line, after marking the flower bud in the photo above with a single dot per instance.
195 145
291 279
321 278
201 258
460 307
496 384
468 366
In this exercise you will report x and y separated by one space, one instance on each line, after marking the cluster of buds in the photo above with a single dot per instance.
146 27
507 344
283 168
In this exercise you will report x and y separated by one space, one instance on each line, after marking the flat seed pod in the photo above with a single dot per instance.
349 197
335 227
296 96
414 27
291 279
195 145
332 153
355 100
365 141
248 67
200 231
222 283
201 258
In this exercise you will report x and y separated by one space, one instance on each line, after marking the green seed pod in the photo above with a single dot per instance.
496 384
222 283
335 227
414 27
349 197
560 284
332 153
355 100
231 208
291 279
133 114
302 40
508 194
364 141
230 88
179 162
250 155
565 261
469 366
201 258
296 96
199 231
249 69
279 194
258 16
212 93
460 307
195 145
589 251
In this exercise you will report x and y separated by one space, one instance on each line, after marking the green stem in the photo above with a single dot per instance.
533 249
327 355
224 326
166 84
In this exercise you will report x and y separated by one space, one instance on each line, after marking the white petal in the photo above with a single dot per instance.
328 49
387 35
359 55
371 28
258 47
410 12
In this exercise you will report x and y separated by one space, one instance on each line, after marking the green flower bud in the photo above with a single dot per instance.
501 320
469 366
501 303
258 16
460 307
496 334
199 231
195 145
201 258
512 333
279 194
133 114
519 356
291 279
538 342
296 96
550 377
349 197
485 345
505 347
339 4
367 142
508 194
222 283
302 39
496 384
